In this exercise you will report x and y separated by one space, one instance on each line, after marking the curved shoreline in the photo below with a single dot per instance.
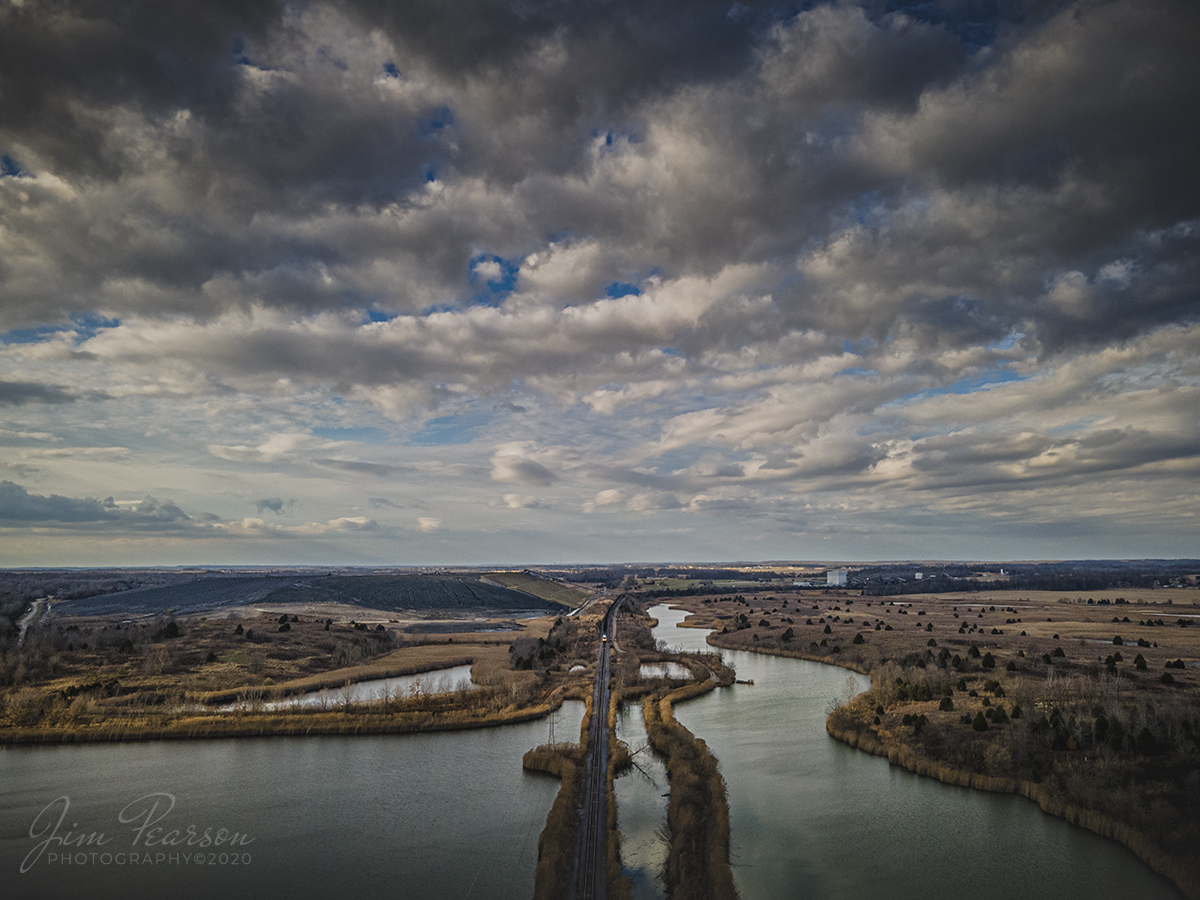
292 723
1178 871
1183 873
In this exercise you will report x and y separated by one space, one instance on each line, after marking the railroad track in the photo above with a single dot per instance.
590 871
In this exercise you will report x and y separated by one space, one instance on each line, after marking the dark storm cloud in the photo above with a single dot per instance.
1052 150
18 393
19 507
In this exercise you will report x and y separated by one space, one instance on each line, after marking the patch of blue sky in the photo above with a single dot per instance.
1008 342
867 207
438 120
375 315
361 435
614 136
1066 429
238 54
859 347
449 430
972 23
494 289
621 289
10 168
389 69
325 54
857 372
985 380
671 351
83 325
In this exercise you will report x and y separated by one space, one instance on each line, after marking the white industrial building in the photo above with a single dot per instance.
836 578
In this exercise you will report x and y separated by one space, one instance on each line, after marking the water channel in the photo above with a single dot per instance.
812 818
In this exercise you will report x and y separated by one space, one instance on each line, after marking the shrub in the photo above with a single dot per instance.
1167 678
1147 743
1118 642
979 723
1059 652
989 661
946 705
828 630
858 639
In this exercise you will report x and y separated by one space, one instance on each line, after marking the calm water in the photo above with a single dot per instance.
396 816
813 818
641 809
454 678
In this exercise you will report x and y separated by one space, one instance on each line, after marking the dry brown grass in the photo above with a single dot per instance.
104 692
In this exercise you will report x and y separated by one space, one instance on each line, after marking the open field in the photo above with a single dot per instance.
1090 708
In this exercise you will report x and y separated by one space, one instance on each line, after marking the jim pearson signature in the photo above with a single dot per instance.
142 815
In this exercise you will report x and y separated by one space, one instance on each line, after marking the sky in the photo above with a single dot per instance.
532 281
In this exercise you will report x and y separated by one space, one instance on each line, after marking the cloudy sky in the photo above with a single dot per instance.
544 281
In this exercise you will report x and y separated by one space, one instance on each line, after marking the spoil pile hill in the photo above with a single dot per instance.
538 586
383 592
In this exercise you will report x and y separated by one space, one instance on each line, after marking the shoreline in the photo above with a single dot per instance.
293 723
860 737
1178 871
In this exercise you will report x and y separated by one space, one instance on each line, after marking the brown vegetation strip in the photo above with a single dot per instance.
698 811
556 844
439 712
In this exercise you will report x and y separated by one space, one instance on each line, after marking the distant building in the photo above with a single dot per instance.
836 578
919 575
